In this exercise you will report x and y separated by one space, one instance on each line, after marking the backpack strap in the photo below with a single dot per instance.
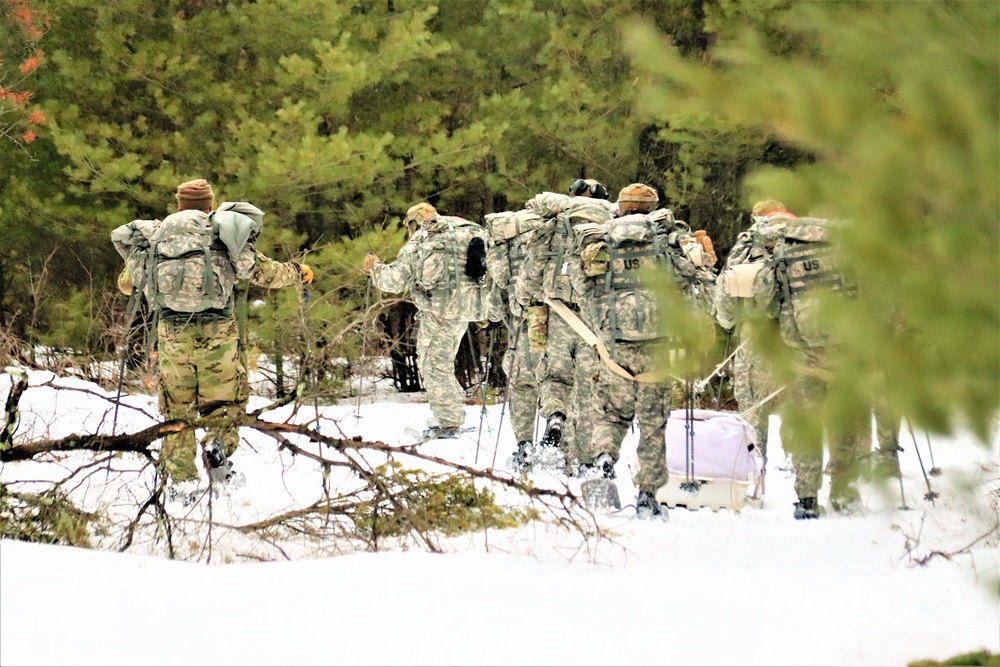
589 337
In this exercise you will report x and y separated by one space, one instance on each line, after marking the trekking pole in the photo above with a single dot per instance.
722 374
899 475
506 393
691 485
930 495
121 366
934 471
482 385
134 300
364 344
311 345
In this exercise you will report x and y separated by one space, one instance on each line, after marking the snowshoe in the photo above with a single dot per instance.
807 508
185 493
436 432
215 456
520 462
553 430
600 495
599 490
648 508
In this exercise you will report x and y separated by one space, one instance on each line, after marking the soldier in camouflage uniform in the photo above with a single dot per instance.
789 297
568 365
448 293
752 380
617 399
509 233
202 367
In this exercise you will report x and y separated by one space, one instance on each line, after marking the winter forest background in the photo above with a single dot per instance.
334 117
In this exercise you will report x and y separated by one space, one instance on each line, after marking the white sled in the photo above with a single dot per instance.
723 467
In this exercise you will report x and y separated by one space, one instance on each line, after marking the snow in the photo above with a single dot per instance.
747 587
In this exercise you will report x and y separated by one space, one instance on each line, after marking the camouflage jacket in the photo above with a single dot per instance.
802 269
163 265
728 303
431 266
548 271
613 257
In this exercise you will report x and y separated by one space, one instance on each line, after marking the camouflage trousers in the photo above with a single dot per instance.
519 364
566 375
803 429
201 373
438 340
618 401
752 383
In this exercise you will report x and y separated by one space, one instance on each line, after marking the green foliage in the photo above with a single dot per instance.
984 658
897 103
50 518
449 505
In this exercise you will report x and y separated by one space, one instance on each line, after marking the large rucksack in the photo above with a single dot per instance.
191 260
613 257
508 234
555 239
802 267
451 271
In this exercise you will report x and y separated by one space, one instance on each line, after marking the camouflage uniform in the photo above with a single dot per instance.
793 305
567 369
566 373
752 380
447 300
519 363
803 438
617 400
201 366
504 259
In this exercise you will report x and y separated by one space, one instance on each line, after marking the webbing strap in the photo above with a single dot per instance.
589 337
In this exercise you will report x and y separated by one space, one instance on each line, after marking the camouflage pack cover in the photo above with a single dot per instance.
181 262
440 283
801 269
617 302
508 232
576 220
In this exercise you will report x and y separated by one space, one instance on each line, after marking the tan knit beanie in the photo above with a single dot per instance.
196 194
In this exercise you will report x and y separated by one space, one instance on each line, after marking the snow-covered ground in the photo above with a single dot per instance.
751 587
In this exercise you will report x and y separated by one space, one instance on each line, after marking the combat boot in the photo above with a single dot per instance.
553 430
807 508
521 461
648 507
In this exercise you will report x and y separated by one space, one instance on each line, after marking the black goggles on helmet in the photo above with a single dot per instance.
579 186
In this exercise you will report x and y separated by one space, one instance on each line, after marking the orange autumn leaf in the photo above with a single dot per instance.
29 136
36 118
29 65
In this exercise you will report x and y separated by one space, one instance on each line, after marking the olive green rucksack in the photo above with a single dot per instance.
801 269
191 260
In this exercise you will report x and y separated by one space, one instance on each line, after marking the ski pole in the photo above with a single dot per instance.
364 344
306 310
935 471
930 495
482 387
134 300
506 392
899 475
482 412
718 392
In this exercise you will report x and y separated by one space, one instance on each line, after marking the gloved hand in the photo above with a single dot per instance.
370 260
706 244
307 274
